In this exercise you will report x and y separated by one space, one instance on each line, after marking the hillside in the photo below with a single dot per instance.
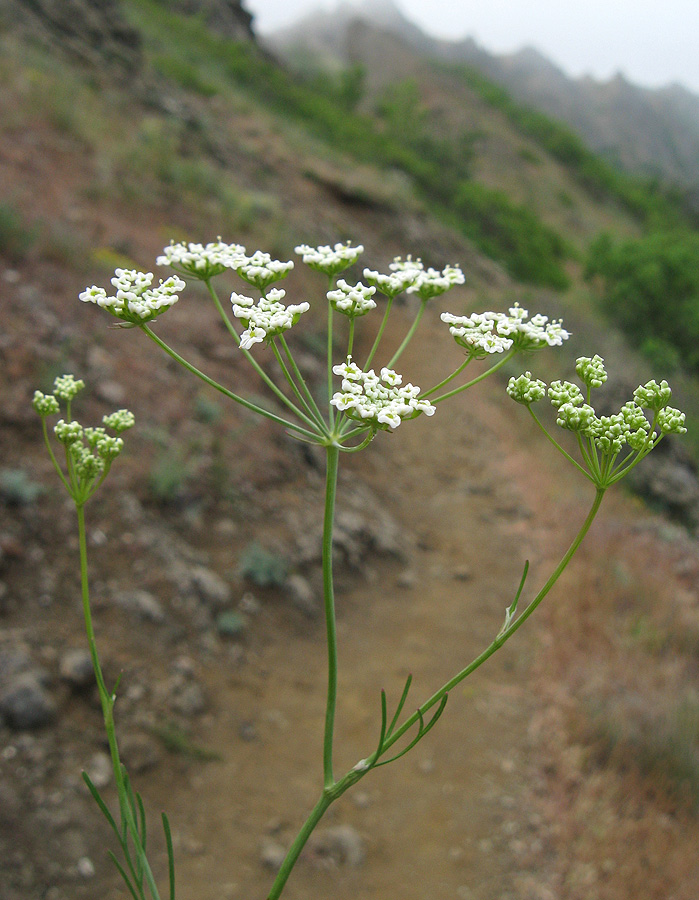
643 131
576 742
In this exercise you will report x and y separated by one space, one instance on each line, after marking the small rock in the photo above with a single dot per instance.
139 752
272 854
249 604
143 603
75 667
462 573
210 586
338 845
407 579
99 770
302 595
25 702
111 392
188 699
86 868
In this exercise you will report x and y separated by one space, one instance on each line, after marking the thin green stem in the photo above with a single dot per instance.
333 457
350 339
302 381
379 334
498 365
406 340
331 408
558 446
297 846
449 378
316 422
107 702
506 634
53 457
219 387
251 359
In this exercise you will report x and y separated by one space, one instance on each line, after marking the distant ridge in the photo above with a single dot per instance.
653 132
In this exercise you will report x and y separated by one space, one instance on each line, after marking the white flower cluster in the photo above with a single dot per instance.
135 300
378 400
330 260
393 284
266 318
352 300
260 270
427 283
491 332
202 261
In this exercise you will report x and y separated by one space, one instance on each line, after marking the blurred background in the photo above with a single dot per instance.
557 161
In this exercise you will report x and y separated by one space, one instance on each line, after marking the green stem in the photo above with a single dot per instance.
406 340
316 422
558 446
350 339
464 387
219 387
251 359
107 702
302 381
379 335
294 851
331 408
333 457
448 378
504 635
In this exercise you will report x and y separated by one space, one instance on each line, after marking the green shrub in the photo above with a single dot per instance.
16 238
650 288
263 567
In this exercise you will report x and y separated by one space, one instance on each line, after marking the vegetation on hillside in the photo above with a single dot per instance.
186 52
650 288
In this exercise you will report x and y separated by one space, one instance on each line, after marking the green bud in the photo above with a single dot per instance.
45 404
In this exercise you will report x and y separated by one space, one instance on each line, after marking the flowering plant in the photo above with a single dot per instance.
360 406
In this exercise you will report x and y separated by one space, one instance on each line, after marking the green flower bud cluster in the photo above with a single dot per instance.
639 424
526 389
90 451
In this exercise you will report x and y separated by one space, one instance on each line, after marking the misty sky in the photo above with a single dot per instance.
653 42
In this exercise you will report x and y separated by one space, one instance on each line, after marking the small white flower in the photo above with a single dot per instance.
393 284
202 261
267 318
352 300
378 400
330 260
430 283
136 301
260 270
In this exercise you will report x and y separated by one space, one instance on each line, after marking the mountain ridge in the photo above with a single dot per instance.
653 132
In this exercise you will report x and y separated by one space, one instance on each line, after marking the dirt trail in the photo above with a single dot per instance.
449 820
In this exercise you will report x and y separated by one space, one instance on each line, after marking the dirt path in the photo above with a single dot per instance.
449 820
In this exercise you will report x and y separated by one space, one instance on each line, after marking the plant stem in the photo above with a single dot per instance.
330 789
107 702
297 846
219 387
333 457
379 334
464 387
250 358
507 633
406 340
